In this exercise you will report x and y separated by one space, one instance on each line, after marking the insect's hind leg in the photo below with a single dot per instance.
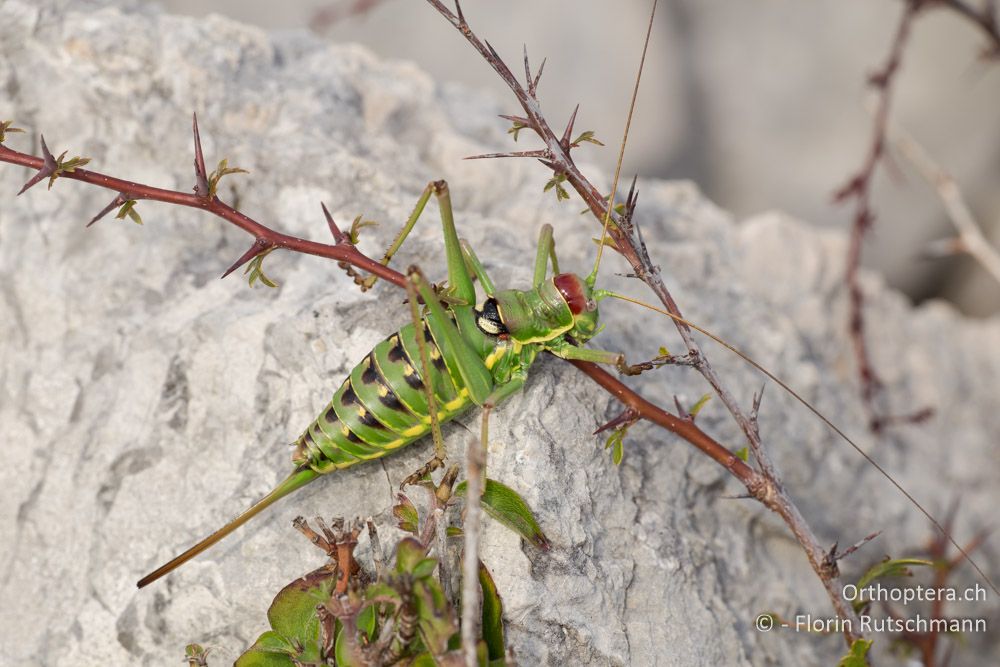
428 388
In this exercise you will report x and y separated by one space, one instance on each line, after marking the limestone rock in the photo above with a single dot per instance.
144 402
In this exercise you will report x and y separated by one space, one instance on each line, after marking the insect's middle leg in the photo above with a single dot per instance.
546 251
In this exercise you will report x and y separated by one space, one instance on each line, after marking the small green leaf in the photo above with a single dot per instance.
858 655
293 612
406 514
492 615
270 650
616 443
222 170
454 531
424 660
556 182
424 568
891 568
693 412
128 209
618 452
66 166
516 128
347 650
663 351
256 270
743 454
368 621
587 136
382 591
6 126
506 506
355 234
435 616
409 554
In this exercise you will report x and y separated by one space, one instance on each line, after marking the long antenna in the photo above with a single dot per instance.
296 480
592 278
600 294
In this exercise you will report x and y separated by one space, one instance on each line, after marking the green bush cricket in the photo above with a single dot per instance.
441 365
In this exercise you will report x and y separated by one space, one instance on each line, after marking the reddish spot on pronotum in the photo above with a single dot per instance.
571 288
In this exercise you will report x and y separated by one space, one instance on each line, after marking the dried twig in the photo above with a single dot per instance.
970 239
475 464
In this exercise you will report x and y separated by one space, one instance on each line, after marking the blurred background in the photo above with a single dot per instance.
762 103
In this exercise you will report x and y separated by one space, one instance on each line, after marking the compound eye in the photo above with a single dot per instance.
488 319
591 305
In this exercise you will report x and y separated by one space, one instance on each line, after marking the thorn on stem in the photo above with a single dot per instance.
338 236
532 83
259 246
201 187
627 417
568 132
117 202
541 153
47 170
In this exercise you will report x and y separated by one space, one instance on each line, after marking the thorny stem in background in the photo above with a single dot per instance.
765 485
970 239
859 188
333 13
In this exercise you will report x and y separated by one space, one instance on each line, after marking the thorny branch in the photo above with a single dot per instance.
859 188
264 237
765 485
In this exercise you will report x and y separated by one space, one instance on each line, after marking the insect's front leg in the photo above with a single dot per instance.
565 350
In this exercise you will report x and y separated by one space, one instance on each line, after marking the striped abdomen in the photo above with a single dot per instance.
382 405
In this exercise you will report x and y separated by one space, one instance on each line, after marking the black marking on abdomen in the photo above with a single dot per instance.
396 352
349 397
369 376
369 420
390 400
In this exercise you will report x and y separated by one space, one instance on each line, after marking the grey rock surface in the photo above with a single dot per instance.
144 402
